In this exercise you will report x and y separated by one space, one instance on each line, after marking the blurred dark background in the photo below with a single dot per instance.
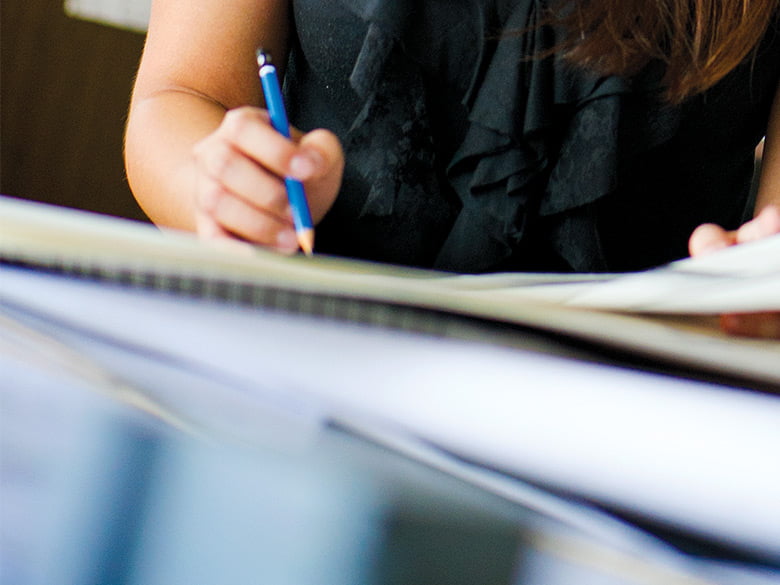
64 91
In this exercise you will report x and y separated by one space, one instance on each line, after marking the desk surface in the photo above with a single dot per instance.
102 483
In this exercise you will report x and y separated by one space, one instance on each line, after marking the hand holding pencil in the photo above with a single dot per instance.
253 180
296 193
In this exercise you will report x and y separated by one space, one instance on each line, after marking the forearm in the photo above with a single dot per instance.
162 129
198 63
769 186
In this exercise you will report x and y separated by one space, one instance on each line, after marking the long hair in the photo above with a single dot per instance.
700 41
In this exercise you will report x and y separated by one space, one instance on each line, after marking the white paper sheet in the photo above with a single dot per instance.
741 279
696 455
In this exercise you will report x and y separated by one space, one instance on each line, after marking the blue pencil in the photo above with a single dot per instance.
304 227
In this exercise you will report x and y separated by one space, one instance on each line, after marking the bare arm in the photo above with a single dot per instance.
769 187
190 164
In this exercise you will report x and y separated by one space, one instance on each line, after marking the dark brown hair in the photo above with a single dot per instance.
700 41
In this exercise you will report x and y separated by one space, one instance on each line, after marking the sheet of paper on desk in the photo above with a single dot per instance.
136 254
690 454
744 278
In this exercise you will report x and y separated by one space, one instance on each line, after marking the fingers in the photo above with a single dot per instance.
240 170
708 238
223 215
227 171
237 198
765 224
330 174
249 131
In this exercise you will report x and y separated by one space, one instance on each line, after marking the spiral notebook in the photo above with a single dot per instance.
666 316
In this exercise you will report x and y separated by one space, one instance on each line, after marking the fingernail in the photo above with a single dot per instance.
287 240
305 164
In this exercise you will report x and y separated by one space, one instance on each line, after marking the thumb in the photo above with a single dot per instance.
765 224
708 238
327 146
324 184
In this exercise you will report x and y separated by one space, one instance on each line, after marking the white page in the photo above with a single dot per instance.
743 278
692 454
740 279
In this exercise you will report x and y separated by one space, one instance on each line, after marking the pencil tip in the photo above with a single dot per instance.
306 241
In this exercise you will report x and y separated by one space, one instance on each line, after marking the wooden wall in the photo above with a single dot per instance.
64 90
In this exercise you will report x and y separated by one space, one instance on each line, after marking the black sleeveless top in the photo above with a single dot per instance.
463 155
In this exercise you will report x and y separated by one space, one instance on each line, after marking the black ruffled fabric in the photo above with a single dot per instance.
534 151
519 160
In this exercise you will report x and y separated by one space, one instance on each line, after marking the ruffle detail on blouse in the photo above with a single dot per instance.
395 160
542 142
540 151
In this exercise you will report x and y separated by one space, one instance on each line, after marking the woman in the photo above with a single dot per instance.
480 135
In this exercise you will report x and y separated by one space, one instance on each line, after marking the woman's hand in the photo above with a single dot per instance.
709 238
239 188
